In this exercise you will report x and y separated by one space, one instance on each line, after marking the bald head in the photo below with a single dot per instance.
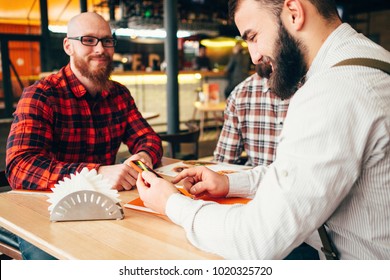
85 22
90 62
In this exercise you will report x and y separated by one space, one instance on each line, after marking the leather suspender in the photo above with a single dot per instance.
327 247
368 62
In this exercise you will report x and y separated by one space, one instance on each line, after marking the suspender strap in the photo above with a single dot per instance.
368 62
328 249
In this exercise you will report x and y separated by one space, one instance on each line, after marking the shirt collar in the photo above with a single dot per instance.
264 84
322 59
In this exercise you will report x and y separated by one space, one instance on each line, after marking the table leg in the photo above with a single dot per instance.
194 113
201 126
218 119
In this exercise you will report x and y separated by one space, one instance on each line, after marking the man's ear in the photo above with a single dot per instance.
293 14
67 47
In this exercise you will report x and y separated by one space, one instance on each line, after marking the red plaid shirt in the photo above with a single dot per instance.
59 129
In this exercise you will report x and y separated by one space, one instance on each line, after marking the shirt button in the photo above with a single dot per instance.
284 173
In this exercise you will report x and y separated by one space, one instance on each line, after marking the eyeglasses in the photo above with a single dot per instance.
93 41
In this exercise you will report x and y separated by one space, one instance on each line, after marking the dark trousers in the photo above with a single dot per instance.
30 252
303 252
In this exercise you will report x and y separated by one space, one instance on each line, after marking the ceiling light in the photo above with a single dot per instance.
133 33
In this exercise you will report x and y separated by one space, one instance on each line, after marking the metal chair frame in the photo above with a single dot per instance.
174 140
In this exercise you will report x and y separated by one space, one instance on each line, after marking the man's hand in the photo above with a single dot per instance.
200 181
122 176
154 191
142 156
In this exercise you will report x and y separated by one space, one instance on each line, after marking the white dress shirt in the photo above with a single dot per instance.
332 165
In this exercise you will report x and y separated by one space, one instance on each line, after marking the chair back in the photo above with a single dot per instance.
174 140
9 247
3 179
4 185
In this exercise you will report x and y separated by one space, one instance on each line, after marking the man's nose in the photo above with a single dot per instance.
256 57
99 47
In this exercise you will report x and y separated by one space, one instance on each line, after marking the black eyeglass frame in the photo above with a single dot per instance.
80 38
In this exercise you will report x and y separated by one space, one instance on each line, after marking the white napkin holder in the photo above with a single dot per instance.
84 196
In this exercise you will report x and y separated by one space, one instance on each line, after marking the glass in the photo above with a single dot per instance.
93 41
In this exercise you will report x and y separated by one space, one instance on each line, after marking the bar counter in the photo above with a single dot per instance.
149 90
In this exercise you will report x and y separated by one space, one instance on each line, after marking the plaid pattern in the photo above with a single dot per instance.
254 118
59 129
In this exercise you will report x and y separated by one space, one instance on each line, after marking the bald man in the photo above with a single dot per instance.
78 118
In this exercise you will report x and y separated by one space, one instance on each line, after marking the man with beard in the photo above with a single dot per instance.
78 118
253 120
332 163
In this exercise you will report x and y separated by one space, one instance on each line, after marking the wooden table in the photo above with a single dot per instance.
209 107
139 235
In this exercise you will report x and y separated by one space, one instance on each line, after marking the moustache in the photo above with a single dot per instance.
100 56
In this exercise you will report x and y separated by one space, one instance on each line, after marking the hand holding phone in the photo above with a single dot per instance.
139 166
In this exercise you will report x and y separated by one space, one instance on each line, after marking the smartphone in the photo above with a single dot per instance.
140 166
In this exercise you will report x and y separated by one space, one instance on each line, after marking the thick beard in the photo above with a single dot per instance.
289 66
99 77
264 69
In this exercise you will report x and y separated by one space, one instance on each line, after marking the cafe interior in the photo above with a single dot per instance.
157 43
